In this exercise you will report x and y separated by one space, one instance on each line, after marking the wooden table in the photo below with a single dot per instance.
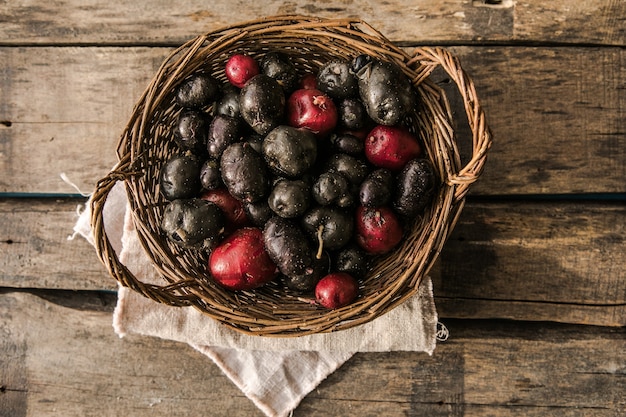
531 285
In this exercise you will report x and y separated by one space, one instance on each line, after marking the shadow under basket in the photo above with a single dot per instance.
147 142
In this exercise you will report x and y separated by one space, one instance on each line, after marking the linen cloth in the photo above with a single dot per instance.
275 373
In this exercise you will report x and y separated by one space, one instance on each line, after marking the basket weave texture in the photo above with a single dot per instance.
147 142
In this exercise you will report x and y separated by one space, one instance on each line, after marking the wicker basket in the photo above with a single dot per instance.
147 142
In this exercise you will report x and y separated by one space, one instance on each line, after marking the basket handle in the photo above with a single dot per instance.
430 58
106 252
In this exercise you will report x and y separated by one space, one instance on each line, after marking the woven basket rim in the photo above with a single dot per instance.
265 316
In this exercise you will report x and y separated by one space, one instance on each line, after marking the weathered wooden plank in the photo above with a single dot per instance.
604 314
488 369
547 265
557 115
71 363
548 252
36 252
527 261
63 110
426 21
67 361
564 21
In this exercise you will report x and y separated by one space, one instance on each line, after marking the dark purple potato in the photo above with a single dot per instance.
255 141
288 246
331 227
223 131
180 177
415 187
191 130
278 66
360 62
193 222
333 188
384 89
308 178
258 212
244 173
353 260
377 188
352 114
337 80
290 198
262 103
290 151
354 169
346 143
306 282
210 175
228 104
198 91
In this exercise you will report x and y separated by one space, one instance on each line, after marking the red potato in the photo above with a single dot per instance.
240 68
391 147
378 229
241 262
311 109
335 290
233 209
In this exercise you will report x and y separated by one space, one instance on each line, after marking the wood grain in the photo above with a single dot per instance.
74 365
36 249
557 116
526 261
534 241
589 22
64 109
549 261
426 21
494 368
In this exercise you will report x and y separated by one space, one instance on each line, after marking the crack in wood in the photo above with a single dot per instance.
551 302
494 4
80 300
5 389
